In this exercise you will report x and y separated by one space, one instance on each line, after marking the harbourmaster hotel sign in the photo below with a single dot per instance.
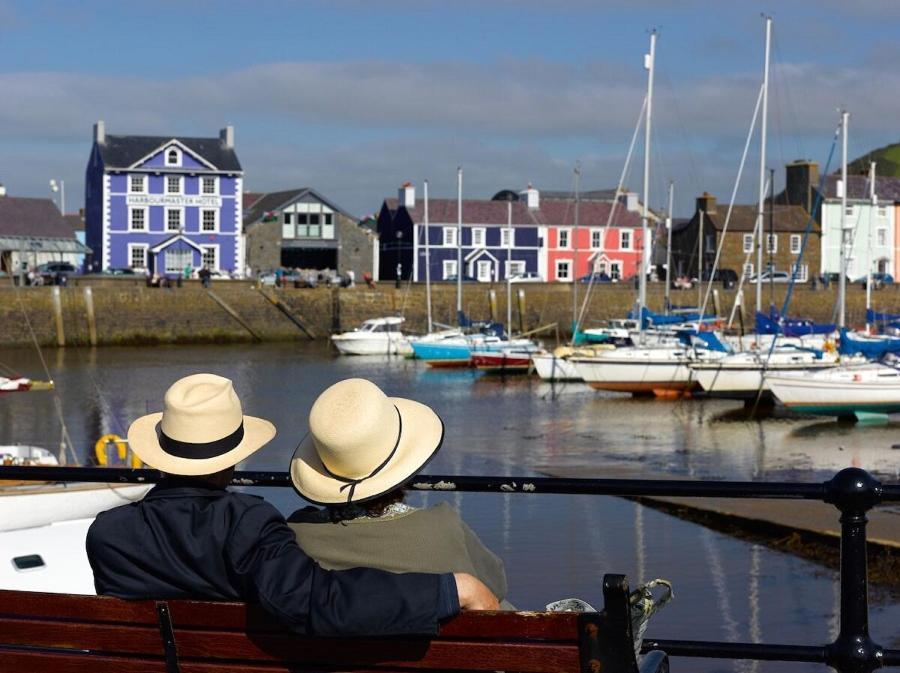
174 200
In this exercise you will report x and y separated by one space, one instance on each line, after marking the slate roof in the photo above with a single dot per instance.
276 200
887 188
123 151
75 221
249 198
36 218
590 195
551 212
743 218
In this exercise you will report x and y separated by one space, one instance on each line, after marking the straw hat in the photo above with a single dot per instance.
362 444
201 429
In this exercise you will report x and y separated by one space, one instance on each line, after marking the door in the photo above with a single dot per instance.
483 271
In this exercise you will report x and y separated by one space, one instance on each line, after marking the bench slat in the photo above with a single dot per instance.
110 638
466 655
19 661
67 606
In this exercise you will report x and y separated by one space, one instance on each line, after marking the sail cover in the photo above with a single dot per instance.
867 346
794 327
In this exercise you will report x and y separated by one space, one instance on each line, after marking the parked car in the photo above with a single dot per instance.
597 277
877 279
776 277
51 272
527 277
116 271
724 275
466 279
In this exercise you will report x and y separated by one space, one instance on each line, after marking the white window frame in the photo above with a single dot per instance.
514 267
215 183
138 246
215 228
180 179
881 237
142 178
772 244
571 270
615 269
748 242
564 231
143 209
484 264
508 237
448 237
173 209
215 250
796 243
622 234
598 234
179 270
882 212
178 156
802 273
850 210
748 270
448 268
479 237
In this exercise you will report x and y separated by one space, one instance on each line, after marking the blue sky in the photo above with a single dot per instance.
355 97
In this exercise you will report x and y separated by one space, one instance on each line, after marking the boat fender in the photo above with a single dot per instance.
121 450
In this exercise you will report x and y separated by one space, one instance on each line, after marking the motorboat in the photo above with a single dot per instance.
512 360
22 454
17 384
557 365
379 336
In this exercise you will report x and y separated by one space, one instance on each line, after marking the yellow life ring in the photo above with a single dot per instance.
121 450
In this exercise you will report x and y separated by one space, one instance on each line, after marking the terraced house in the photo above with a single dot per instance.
165 204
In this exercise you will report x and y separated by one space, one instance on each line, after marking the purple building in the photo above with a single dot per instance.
163 203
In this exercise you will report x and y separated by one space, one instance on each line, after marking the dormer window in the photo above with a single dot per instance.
173 157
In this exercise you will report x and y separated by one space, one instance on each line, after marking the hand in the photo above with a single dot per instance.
473 594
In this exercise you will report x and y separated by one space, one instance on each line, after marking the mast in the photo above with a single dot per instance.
873 199
842 278
771 248
427 263
669 247
762 166
509 237
575 255
700 264
649 60
459 270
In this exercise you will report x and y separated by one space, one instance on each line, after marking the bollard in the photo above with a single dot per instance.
57 312
492 306
520 298
89 309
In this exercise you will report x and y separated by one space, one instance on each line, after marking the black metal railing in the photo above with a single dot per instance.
852 491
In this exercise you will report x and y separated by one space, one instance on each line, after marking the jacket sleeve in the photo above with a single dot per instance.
270 568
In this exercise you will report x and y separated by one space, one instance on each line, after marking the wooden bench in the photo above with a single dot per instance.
65 633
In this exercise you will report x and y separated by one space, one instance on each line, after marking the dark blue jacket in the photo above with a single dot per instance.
190 541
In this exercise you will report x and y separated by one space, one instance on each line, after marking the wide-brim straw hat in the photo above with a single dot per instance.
362 444
201 430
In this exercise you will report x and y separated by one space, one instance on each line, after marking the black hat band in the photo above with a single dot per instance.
200 450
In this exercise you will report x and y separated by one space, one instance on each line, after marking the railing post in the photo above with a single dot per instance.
854 492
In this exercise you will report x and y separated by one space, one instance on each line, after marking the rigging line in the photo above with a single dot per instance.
788 98
692 163
734 192
600 251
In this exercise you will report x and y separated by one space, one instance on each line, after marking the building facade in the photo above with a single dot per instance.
300 228
165 205
542 242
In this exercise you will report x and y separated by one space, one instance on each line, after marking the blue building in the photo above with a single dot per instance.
486 242
162 204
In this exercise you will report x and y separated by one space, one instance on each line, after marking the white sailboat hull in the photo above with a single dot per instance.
743 375
38 505
61 547
552 368
842 391
355 343
660 371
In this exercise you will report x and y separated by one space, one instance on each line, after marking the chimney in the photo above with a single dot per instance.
406 195
100 132
532 197
631 202
707 203
2 189
226 135
800 178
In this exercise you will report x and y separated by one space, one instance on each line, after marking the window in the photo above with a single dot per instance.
596 238
288 218
449 267
882 212
478 237
173 184
137 219
209 220
449 239
210 256
173 219
327 220
314 231
507 237
173 157
484 270
881 237
136 184
514 268
748 242
302 224
563 238
849 211
563 269
803 273
208 185
615 270
176 260
748 270
137 256
624 240
772 243
796 241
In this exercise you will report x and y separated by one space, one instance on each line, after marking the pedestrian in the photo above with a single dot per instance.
351 277
205 275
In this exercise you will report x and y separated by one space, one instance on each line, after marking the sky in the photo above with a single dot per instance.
355 97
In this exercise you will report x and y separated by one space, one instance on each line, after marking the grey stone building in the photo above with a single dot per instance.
300 228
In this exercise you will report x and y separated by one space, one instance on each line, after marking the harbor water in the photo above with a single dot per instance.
553 546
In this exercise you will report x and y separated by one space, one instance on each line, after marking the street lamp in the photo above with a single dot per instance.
61 188
399 263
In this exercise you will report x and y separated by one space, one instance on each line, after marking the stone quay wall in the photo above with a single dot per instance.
127 313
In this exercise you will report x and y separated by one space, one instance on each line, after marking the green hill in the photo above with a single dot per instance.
887 161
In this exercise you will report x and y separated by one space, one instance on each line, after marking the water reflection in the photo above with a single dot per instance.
554 546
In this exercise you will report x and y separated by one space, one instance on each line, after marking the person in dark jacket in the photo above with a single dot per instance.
191 538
